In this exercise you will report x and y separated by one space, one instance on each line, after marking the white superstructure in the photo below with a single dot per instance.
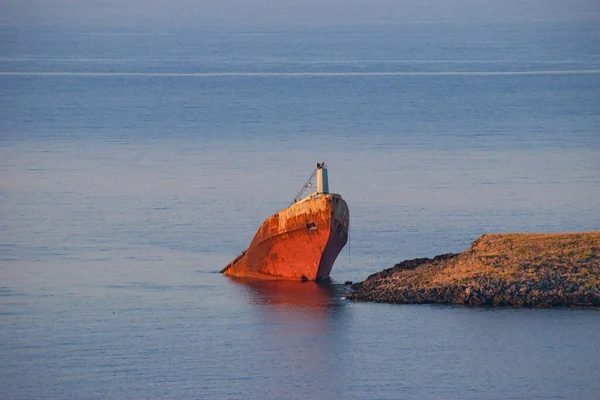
322 181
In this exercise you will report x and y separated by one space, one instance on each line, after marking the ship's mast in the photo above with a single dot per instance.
322 181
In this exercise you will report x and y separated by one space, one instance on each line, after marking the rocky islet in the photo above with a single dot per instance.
516 269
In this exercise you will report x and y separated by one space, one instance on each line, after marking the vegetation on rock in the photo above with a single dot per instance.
516 269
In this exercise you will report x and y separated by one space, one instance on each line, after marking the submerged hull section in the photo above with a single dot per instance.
298 243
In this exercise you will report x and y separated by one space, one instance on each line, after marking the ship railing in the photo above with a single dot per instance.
233 261
307 185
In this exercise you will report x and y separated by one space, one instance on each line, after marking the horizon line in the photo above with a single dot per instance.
305 74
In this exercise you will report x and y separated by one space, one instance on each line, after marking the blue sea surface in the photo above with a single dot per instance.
136 162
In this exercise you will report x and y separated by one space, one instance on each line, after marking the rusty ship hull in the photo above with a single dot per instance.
300 242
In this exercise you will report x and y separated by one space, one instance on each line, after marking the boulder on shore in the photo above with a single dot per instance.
513 269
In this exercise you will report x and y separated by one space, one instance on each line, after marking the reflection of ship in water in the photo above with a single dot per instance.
324 295
301 329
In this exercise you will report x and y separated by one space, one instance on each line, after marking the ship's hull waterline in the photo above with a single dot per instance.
298 243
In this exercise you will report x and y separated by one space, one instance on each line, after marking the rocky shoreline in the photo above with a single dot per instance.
517 269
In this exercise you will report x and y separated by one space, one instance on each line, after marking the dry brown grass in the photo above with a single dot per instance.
524 255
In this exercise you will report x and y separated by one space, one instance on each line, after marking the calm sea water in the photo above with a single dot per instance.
136 163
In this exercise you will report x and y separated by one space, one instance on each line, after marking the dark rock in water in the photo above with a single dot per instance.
522 270
347 283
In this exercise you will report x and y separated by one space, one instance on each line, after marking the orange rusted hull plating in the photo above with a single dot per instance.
298 243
